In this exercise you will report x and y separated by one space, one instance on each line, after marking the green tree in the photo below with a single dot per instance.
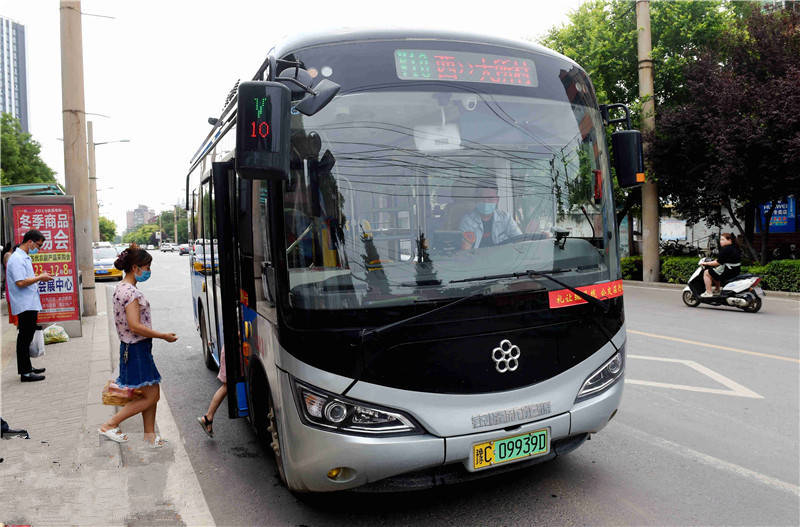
19 155
108 229
143 235
737 139
168 226
601 37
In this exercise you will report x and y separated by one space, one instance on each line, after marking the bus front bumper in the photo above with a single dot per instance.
417 461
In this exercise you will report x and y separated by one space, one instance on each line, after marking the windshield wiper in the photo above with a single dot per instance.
479 291
530 273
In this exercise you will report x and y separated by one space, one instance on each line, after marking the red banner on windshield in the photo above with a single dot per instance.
604 291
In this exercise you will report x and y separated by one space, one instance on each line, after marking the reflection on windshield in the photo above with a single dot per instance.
104 253
395 196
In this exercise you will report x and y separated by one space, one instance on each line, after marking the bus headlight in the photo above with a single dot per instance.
602 378
335 413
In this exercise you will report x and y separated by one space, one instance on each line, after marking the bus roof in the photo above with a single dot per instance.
301 41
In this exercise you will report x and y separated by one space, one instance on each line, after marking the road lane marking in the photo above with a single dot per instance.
734 388
711 461
713 346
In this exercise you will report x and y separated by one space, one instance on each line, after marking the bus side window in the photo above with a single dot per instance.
262 258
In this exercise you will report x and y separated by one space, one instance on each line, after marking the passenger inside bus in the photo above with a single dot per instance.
486 225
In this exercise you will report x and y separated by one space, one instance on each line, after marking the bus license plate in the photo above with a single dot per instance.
490 453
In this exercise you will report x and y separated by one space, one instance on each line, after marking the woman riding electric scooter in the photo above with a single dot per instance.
727 265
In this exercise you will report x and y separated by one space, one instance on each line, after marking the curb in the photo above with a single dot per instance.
665 285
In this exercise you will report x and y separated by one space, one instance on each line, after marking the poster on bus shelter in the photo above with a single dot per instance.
56 222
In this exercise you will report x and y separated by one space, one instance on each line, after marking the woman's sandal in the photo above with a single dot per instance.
206 425
157 442
114 435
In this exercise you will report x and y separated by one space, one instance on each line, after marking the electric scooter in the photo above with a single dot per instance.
741 291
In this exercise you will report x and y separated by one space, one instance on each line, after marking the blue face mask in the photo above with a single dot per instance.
142 277
486 208
33 251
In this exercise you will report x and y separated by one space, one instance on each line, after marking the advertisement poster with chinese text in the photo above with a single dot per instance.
56 222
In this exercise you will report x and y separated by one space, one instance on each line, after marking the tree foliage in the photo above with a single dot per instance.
736 138
108 229
168 226
19 155
602 37
143 235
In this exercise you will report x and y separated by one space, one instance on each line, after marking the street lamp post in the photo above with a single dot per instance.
93 180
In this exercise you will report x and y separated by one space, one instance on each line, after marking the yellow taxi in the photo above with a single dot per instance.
104 258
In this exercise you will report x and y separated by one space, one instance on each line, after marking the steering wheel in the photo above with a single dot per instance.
526 237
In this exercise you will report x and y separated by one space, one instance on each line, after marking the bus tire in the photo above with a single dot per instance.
264 419
207 357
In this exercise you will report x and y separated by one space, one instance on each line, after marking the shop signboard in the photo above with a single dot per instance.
54 217
784 217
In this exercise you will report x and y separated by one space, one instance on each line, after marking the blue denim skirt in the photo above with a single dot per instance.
137 369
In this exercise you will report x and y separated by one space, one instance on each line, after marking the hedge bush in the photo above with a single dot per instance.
678 269
631 267
778 275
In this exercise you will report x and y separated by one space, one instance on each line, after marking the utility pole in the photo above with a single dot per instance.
93 185
175 222
75 163
650 219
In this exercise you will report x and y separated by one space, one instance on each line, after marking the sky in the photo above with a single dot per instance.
154 71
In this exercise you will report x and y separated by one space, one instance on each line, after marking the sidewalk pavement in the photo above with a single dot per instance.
65 474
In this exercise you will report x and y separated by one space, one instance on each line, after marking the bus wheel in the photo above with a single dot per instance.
265 421
209 359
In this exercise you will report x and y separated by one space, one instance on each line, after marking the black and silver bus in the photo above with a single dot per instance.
406 244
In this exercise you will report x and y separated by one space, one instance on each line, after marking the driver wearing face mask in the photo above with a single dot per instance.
486 226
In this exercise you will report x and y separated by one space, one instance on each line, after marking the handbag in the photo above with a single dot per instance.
114 395
36 348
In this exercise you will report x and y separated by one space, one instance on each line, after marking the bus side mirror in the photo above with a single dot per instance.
325 91
262 130
628 157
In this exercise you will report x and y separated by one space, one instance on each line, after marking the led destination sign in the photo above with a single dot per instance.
462 66
262 128
257 115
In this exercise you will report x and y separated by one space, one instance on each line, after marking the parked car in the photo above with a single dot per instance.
184 248
104 258
167 247
150 247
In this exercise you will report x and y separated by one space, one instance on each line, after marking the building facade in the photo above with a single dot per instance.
141 215
13 71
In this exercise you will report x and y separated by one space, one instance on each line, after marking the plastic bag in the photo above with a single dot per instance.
37 344
113 395
55 333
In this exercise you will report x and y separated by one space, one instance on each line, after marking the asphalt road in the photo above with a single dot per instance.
707 432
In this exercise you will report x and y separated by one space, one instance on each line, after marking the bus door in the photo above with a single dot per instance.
206 254
227 283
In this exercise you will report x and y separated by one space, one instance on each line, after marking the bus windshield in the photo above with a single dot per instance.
401 196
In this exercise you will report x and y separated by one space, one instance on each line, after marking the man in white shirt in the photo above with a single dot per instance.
23 295
485 225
